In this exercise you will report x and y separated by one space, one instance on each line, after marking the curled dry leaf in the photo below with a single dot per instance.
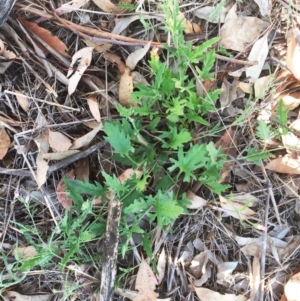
196 201
86 139
46 36
59 142
94 107
284 164
4 142
22 100
125 89
80 61
265 7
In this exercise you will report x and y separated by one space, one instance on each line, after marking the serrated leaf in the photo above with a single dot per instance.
263 130
282 117
255 155
166 207
175 139
136 207
189 161
118 139
79 187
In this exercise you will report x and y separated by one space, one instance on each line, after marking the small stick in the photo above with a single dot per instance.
110 253
98 36
61 164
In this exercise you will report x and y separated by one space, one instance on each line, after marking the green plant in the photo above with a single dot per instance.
154 137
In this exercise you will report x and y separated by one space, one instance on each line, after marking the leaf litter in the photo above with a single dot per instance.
219 236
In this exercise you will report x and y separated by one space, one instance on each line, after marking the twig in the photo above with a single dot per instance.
61 164
264 246
98 36
110 253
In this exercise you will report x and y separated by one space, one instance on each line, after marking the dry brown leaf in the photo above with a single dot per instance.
198 265
239 31
228 93
107 6
134 57
161 266
128 173
4 142
22 100
84 58
265 7
245 87
196 201
11 295
70 6
224 272
41 165
292 288
189 27
123 23
25 252
209 295
115 59
59 142
262 85
293 52
82 170
284 164
228 144
86 139
60 156
62 194
208 13
259 53
291 100
94 107
145 283
46 36
98 47
236 210
2 47
125 89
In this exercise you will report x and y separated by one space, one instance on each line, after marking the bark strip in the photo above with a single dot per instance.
109 267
